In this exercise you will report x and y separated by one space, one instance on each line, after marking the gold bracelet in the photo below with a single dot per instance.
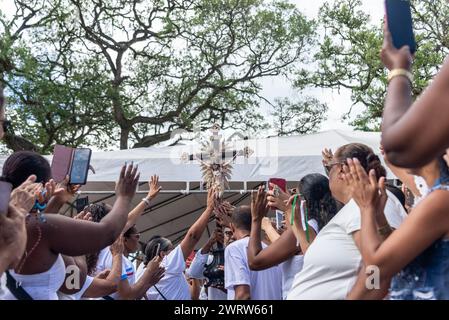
400 72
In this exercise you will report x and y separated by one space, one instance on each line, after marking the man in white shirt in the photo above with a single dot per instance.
241 282
204 257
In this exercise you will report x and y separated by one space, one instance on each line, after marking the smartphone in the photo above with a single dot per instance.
80 166
281 183
158 247
81 203
400 24
5 194
279 219
61 162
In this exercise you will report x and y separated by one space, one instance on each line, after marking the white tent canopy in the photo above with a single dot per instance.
175 210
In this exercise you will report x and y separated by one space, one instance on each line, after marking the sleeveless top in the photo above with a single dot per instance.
427 276
40 286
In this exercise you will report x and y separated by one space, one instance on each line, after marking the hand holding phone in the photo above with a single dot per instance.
158 248
71 162
400 24
279 219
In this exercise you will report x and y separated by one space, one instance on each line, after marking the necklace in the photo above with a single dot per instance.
39 238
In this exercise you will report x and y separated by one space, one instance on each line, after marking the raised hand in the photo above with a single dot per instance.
266 223
64 191
217 236
118 246
393 58
277 198
223 219
259 204
127 183
366 191
211 199
13 236
327 156
103 274
24 196
87 216
154 272
154 187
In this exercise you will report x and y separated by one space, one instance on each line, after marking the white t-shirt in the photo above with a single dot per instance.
79 294
173 285
293 265
196 271
332 261
3 288
264 285
105 262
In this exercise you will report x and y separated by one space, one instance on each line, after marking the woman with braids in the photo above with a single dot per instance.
287 250
421 270
174 286
333 259
41 271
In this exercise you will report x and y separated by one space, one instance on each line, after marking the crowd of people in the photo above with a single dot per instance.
347 235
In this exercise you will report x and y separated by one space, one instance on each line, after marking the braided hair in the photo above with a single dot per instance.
98 211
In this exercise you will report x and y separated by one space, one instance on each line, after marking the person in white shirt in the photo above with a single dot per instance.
289 249
174 286
241 282
202 258
333 260
129 289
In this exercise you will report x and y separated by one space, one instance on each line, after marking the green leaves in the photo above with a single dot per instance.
348 56
299 117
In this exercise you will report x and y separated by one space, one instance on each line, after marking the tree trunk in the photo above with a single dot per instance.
124 134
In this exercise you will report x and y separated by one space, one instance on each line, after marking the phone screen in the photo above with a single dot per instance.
5 193
279 219
60 164
80 166
400 24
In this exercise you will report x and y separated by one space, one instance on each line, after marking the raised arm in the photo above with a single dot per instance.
104 285
196 230
426 223
152 275
277 252
140 208
304 240
196 268
403 119
269 230
63 193
77 237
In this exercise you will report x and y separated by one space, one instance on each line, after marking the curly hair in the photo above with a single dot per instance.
98 211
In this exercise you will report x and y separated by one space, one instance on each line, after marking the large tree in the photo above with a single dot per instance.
130 73
348 56
298 117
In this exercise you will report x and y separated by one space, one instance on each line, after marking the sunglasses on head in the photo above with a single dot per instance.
328 167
